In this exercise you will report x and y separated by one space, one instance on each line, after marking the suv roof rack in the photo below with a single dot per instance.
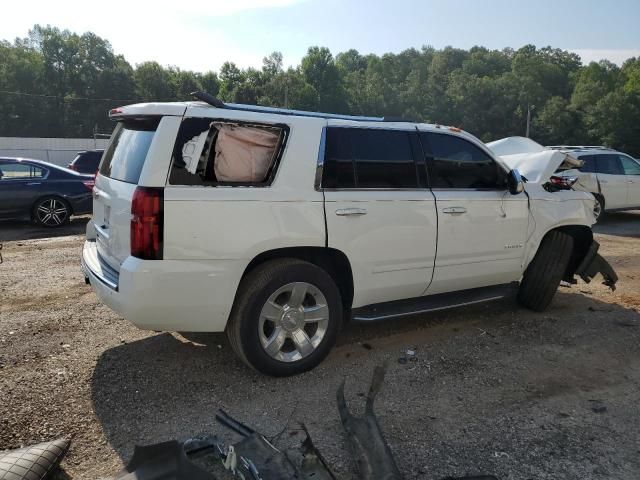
216 102
577 147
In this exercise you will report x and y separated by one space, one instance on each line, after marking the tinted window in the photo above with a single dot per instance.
589 165
10 171
369 158
631 167
87 159
339 169
457 163
610 164
128 149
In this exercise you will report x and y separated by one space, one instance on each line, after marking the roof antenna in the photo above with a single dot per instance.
208 98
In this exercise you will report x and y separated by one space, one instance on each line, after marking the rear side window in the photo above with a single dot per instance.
209 152
369 158
457 163
87 159
589 165
610 164
130 142
20 171
631 167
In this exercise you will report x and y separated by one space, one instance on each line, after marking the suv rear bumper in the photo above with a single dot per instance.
173 295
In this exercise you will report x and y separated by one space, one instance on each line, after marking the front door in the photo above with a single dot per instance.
482 228
379 211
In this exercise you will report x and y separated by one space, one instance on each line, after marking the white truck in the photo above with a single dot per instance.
277 226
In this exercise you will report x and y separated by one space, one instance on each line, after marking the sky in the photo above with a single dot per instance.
200 35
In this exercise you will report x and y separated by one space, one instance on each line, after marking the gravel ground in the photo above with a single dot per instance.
492 389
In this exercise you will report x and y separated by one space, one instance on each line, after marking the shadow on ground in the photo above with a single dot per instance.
25 230
507 362
622 224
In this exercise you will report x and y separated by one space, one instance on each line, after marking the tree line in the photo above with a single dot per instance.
56 83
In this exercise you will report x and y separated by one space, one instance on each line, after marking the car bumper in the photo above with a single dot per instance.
173 295
593 263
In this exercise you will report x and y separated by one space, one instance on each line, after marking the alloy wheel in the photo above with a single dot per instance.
293 321
52 212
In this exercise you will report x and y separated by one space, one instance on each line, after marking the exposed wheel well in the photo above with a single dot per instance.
333 261
582 240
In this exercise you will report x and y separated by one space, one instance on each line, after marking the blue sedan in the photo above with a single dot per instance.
46 193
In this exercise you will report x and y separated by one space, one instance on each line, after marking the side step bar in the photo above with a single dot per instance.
431 303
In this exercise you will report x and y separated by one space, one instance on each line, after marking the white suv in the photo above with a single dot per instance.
276 226
618 176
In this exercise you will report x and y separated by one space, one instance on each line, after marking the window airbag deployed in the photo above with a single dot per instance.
243 154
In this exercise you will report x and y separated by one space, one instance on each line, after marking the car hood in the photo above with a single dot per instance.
535 162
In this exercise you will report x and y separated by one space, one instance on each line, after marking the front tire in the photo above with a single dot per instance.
286 317
543 275
51 212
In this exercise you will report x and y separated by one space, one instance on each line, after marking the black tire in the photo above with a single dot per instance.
243 329
51 212
543 275
599 208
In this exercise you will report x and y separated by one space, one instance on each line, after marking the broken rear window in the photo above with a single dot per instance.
210 153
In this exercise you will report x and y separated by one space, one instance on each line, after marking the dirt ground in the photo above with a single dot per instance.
492 389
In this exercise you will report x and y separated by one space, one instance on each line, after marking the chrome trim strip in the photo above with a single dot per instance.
434 309
91 264
320 161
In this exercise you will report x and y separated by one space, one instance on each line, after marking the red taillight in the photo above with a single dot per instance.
71 166
89 184
563 182
146 223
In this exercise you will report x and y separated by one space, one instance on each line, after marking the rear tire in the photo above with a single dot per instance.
286 317
51 212
543 275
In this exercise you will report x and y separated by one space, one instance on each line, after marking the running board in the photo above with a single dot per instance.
432 303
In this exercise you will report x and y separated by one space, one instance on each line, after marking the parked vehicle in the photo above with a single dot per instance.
87 161
618 176
277 226
46 193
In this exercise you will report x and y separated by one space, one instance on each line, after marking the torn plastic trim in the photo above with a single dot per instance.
593 263
369 447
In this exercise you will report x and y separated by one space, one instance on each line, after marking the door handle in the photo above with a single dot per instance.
342 212
454 210
34 183
604 181
630 181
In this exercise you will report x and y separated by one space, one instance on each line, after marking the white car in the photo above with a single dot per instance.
277 226
618 176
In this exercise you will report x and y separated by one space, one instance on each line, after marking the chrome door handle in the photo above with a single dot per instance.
351 211
454 210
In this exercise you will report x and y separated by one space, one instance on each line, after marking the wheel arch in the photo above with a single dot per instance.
333 261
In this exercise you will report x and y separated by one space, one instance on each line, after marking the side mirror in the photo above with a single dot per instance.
515 182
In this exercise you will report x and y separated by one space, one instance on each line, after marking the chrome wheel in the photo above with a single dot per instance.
52 212
293 321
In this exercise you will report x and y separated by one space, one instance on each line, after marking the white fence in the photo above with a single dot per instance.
55 150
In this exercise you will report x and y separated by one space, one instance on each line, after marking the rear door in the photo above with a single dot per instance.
481 227
379 211
631 169
613 182
138 154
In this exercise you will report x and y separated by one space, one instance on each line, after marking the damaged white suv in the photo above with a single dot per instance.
277 226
